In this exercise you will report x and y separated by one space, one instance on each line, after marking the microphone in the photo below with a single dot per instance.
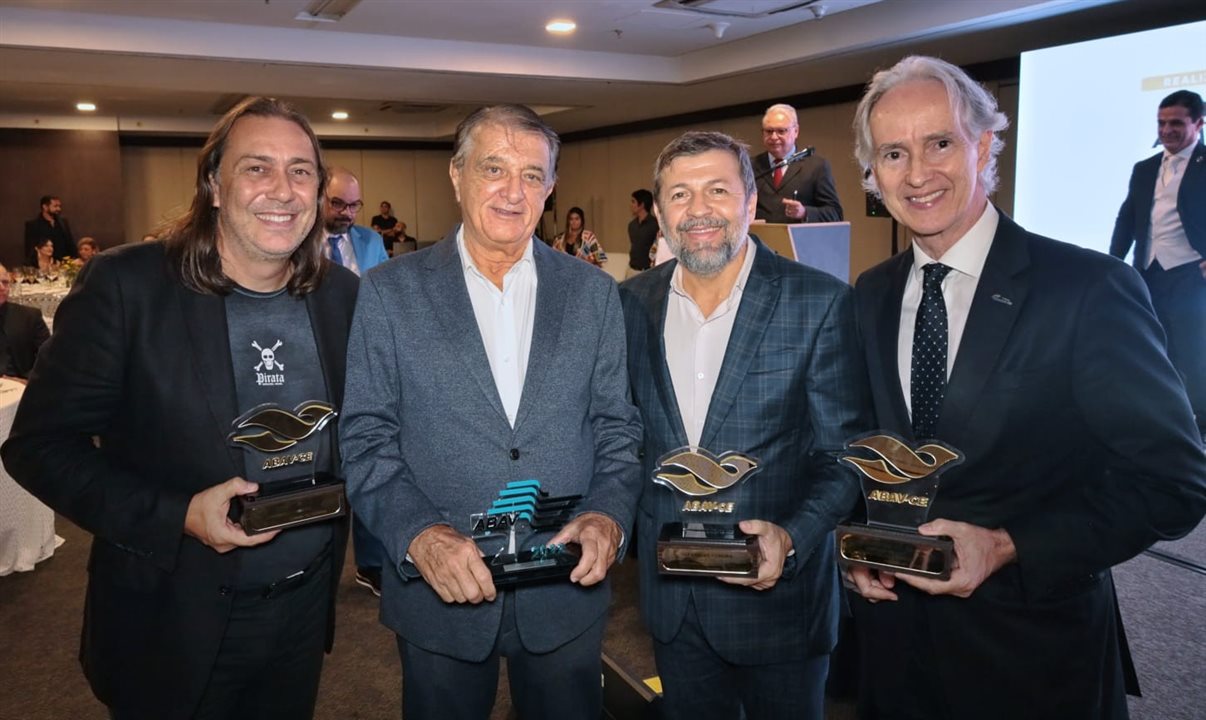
794 157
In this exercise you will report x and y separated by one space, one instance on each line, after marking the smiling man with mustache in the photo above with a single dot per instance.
734 349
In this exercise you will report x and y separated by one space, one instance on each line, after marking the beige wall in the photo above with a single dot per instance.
600 175
596 175
159 184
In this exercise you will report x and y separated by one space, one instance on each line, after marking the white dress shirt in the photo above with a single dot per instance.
966 260
695 345
346 251
1169 243
504 319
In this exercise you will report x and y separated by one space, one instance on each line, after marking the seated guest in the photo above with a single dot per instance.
387 225
578 241
87 247
42 257
24 332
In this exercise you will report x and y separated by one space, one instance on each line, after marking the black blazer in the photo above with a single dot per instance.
792 389
1133 225
24 333
809 180
144 363
1079 442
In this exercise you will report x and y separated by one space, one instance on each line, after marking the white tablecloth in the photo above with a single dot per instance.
26 525
45 296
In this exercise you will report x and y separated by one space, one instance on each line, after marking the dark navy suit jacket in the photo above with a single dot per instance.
1133 226
1079 442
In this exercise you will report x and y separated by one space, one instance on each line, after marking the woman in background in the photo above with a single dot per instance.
578 241
42 258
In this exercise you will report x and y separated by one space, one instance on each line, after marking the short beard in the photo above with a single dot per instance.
705 262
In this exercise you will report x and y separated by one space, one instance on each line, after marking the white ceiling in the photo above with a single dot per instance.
410 69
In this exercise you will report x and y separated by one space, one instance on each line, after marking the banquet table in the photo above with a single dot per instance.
45 296
26 525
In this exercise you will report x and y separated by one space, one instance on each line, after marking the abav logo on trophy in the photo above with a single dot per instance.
274 439
521 511
899 483
697 544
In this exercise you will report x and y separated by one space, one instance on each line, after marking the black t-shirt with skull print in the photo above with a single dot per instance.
275 360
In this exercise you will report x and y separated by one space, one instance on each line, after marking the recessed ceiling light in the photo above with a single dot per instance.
561 26
85 106
339 115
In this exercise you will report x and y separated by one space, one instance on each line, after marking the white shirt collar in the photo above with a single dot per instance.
469 266
969 252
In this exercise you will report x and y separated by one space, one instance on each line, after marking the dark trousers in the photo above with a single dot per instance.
564 684
367 549
1179 297
271 655
697 684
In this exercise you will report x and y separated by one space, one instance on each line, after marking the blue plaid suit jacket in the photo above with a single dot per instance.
792 389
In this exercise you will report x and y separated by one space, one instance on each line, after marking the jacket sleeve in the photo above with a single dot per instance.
77 388
1153 482
827 207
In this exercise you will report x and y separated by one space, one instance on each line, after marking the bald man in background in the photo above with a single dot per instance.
804 190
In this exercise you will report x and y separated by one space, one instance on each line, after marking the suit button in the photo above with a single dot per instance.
224 590
514 453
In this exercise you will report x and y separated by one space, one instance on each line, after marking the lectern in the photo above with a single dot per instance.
824 246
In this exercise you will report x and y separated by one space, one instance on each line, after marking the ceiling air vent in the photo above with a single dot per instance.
735 8
326 10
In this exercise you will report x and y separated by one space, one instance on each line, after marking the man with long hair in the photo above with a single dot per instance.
159 348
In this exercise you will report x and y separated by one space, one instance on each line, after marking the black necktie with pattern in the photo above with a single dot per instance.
927 376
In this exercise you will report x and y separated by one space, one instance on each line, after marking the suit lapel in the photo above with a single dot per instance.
655 345
324 318
1000 295
453 310
551 292
886 339
758 302
1195 174
209 344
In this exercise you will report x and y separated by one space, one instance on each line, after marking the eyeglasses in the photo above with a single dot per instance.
340 206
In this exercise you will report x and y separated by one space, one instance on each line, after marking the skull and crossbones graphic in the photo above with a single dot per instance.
268 359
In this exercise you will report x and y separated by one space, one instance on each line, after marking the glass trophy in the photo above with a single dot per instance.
285 445
698 544
521 511
899 483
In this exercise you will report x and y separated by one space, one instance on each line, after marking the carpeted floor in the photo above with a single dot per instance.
1163 605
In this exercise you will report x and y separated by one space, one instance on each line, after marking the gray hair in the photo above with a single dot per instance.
784 108
974 109
698 142
517 118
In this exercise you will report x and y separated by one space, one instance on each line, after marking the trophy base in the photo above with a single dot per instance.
899 551
703 549
535 565
290 503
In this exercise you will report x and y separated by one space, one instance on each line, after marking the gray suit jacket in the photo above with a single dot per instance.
428 441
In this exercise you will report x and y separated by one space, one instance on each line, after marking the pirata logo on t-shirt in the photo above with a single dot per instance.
270 371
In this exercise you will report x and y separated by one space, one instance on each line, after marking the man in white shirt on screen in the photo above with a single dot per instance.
1164 217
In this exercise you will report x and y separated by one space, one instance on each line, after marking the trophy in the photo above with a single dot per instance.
286 443
899 483
522 507
695 546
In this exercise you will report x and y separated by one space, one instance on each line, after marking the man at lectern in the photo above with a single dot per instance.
1044 364
794 185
